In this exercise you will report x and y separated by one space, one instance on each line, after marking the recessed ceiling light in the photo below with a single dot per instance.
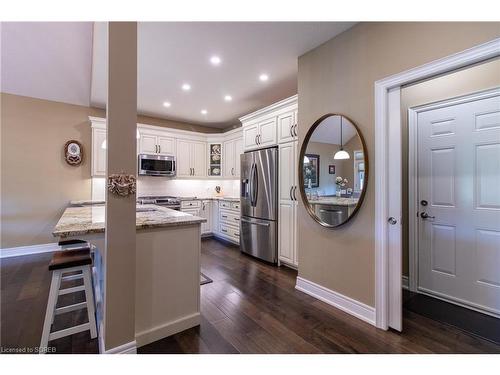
204 111
263 77
186 86
228 98
166 104
215 60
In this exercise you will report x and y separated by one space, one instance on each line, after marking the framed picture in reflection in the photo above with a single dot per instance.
311 170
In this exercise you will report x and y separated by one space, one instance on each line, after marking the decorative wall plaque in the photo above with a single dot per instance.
73 152
122 184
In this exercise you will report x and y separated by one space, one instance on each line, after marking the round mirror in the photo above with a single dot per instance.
333 170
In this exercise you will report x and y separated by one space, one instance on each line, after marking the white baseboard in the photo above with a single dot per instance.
344 303
128 348
405 282
167 329
28 250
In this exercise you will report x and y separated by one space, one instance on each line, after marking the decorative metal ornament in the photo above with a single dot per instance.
73 152
122 184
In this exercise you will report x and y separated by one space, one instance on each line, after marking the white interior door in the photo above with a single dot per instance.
458 185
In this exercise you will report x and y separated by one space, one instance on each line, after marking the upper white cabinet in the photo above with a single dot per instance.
98 152
287 127
232 149
156 144
250 134
191 158
271 125
191 149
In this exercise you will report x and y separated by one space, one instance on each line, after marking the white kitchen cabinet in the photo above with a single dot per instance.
227 221
232 150
261 134
206 213
288 195
287 127
98 152
191 158
156 144
250 134
267 133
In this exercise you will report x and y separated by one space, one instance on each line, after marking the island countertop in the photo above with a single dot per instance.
77 221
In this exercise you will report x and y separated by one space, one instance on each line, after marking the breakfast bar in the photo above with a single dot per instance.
167 266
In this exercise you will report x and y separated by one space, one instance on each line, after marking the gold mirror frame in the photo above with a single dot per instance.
303 148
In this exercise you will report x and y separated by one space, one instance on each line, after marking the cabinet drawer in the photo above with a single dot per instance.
235 205
224 204
229 217
190 204
229 231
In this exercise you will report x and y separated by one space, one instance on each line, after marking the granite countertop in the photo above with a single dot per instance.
90 219
230 199
88 202
337 201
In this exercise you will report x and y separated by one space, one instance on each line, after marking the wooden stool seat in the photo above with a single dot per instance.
70 258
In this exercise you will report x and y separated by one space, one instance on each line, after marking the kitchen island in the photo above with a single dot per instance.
167 266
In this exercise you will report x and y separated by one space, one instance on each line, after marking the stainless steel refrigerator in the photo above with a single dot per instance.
259 204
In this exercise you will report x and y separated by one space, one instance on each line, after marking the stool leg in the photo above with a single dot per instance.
51 306
89 297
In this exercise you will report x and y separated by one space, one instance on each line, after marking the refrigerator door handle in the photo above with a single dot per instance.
255 222
251 185
255 185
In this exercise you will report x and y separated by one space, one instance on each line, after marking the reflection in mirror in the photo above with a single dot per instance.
334 170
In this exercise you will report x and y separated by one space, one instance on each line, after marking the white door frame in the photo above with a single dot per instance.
387 195
413 206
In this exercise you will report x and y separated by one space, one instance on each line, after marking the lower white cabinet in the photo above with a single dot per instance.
223 217
206 213
287 232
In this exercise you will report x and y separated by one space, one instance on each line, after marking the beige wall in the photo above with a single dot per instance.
36 182
339 77
465 81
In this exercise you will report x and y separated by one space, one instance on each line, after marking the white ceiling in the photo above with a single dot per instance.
329 131
172 53
66 62
47 60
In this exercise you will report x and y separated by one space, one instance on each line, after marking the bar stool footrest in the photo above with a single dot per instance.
69 331
76 306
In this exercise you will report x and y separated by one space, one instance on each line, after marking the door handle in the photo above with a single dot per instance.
425 215
255 222
392 221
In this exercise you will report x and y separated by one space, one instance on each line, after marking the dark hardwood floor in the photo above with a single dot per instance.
250 307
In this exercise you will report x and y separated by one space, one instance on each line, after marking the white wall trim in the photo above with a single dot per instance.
292 100
383 190
344 303
128 348
100 123
167 329
28 250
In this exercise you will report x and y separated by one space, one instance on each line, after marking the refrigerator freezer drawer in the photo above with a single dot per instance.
259 238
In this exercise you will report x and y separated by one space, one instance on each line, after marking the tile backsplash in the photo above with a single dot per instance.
175 187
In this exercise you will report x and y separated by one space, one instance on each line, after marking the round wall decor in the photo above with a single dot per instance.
73 152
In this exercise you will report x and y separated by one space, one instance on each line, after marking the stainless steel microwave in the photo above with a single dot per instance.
156 165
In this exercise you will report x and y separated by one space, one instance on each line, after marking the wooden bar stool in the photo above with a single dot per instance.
77 263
